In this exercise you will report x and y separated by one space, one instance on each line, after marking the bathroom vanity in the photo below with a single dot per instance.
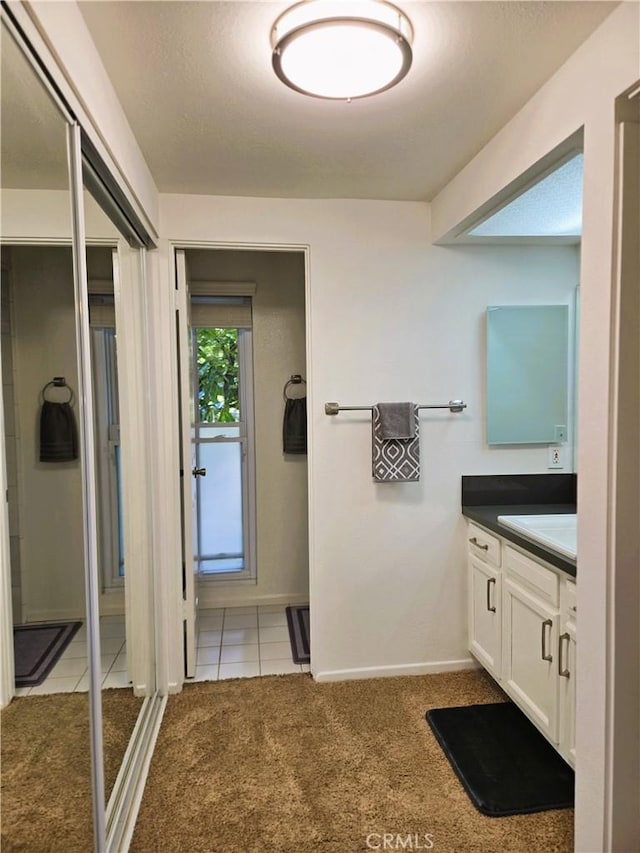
522 610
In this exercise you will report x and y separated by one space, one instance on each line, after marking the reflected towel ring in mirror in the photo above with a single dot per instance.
295 379
58 382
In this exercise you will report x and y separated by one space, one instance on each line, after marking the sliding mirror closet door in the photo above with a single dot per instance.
46 753
122 691
115 279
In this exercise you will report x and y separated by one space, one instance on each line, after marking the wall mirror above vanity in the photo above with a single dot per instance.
527 374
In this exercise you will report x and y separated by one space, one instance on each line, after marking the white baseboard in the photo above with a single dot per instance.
426 668
110 605
54 615
209 596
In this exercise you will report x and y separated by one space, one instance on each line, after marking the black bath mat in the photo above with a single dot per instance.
37 649
298 622
505 765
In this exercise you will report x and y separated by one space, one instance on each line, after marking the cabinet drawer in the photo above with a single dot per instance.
532 575
484 545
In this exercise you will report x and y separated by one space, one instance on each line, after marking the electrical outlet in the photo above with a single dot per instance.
555 458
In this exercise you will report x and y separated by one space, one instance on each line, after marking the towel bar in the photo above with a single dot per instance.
334 408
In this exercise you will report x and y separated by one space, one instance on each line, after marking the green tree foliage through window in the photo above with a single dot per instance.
218 371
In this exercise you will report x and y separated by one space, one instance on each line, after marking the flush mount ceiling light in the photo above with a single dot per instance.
342 50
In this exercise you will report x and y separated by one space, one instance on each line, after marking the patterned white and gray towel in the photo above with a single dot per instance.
394 460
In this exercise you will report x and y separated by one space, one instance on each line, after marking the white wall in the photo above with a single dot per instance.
389 317
281 480
44 216
50 494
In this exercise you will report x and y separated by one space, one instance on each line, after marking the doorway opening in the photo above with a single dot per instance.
245 527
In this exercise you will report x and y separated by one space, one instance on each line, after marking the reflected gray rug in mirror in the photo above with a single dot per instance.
38 647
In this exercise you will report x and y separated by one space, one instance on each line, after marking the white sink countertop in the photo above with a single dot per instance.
557 532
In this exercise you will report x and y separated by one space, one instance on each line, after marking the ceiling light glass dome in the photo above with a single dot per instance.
342 50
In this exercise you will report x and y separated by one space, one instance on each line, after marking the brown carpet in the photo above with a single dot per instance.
284 765
46 768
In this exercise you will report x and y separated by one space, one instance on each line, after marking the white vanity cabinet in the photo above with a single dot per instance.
485 599
567 672
522 629
531 618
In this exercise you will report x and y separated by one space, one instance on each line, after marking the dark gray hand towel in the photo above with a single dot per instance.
397 420
58 433
294 426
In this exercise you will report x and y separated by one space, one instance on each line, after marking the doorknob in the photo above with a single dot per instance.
199 472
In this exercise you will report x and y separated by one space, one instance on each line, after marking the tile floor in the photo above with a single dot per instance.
70 674
232 642
237 642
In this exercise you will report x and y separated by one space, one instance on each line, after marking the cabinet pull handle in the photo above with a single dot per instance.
562 670
489 582
474 541
546 656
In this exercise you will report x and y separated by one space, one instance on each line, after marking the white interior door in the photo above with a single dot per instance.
188 468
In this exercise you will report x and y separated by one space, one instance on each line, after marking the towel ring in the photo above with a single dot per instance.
296 379
58 382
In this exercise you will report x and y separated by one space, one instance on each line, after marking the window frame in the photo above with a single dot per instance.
107 432
248 574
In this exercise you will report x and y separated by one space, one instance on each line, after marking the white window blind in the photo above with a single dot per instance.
225 312
102 312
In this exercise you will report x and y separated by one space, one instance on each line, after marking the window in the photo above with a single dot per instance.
107 432
223 436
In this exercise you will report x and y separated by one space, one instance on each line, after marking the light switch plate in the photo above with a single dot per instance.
560 433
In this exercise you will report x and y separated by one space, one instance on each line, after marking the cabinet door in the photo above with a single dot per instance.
485 615
529 652
567 690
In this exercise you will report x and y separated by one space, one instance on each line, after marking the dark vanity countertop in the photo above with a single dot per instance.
487 516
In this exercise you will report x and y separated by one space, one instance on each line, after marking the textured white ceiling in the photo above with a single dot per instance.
552 207
196 83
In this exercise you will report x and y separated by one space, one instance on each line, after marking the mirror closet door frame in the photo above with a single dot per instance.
112 826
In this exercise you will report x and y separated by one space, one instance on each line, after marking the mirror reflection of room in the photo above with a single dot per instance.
45 516
42 424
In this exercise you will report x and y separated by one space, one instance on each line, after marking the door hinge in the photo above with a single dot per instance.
188 609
